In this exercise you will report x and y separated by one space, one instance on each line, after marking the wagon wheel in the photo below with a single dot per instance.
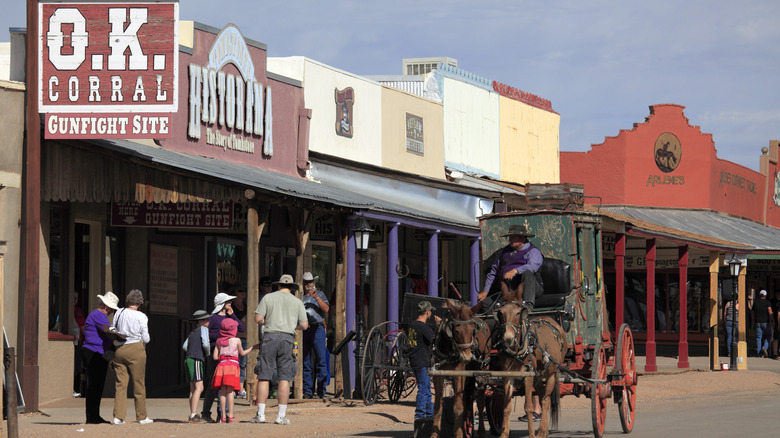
373 359
398 384
626 365
599 393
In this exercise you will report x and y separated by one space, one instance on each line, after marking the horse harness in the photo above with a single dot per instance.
479 326
530 330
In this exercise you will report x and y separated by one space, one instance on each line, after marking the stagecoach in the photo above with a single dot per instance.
594 365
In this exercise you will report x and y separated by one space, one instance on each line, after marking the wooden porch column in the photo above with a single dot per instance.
682 361
256 220
650 364
3 249
742 315
31 219
300 221
714 311
620 279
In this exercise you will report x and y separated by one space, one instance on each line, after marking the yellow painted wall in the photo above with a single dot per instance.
529 139
395 105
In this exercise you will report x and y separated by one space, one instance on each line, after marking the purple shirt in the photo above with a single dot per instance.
215 323
94 338
527 258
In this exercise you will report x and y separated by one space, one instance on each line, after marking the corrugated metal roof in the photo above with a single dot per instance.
450 209
706 223
244 175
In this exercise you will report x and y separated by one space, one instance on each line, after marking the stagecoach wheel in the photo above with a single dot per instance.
626 364
373 356
598 394
396 379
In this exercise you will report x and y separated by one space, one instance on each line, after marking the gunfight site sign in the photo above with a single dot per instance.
108 70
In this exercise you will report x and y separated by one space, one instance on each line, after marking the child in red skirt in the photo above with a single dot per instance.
227 376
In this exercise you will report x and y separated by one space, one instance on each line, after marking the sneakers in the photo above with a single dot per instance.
536 417
206 418
258 419
146 420
282 420
118 421
195 418
76 394
242 394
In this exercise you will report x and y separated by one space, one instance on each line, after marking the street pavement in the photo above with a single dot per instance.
70 411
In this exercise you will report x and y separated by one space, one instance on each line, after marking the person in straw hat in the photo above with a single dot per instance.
93 355
281 313
516 267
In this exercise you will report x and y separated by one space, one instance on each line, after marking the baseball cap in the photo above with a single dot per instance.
424 306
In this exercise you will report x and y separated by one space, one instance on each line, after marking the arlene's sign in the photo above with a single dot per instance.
239 106
108 70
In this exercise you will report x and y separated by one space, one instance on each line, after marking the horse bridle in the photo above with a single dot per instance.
479 326
523 351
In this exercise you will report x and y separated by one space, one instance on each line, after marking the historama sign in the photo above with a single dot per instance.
108 69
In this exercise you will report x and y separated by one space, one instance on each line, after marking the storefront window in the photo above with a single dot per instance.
667 302
229 265
322 267
58 245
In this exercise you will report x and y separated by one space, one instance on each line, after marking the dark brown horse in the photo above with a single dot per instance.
462 343
526 345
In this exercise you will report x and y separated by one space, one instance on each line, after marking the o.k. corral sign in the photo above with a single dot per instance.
108 69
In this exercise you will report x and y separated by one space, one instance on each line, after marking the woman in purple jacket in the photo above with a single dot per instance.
96 342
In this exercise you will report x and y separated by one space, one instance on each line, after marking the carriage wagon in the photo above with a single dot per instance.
595 366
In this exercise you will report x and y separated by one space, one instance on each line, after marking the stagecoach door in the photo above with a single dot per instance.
587 261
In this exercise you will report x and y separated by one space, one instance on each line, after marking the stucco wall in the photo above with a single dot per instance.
471 137
11 143
529 143
625 170
320 82
395 105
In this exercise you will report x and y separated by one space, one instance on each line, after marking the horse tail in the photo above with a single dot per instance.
555 404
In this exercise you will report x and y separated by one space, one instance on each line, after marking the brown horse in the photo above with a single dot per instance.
462 342
526 346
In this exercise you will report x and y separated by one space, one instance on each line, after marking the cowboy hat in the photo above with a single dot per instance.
110 300
518 230
220 300
308 277
286 280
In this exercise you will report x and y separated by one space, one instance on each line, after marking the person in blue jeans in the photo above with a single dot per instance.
315 351
420 342
762 315
727 317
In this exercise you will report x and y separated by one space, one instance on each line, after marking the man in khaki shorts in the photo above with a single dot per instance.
281 313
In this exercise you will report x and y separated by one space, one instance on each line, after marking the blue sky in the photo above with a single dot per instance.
601 63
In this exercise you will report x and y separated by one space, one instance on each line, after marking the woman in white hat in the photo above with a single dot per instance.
94 354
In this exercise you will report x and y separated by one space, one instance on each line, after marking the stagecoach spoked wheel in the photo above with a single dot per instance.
373 372
626 364
599 394
397 379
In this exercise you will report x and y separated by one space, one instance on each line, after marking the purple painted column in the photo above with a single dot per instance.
433 264
474 271
350 306
392 275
